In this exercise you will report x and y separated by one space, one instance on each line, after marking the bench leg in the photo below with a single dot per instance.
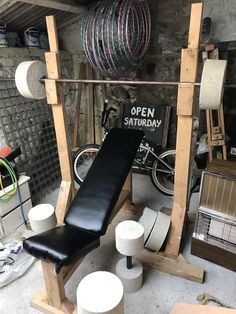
54 286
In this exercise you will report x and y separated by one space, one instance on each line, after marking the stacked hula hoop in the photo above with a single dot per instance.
116 36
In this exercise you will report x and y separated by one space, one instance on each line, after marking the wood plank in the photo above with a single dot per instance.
91 124
59 117
166 128
178 267
39 302
195 25
183 308
181 186
52 33
189 63
61 5
77 109
54 285
128 183
63 201
58 109
209 132
68 271
51 92
185 96
184 136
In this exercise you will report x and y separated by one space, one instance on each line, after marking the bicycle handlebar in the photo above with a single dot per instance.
106 112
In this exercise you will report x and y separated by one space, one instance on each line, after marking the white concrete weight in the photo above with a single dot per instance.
27 76
212 84
147 220
42 217
100 292
132 279
159 232
129 237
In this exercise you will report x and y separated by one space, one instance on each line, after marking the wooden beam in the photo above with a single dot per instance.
62 5
52 35
77 109
90 113
40 302
195 25
5 4
63 201
177 267
181 308
68 271
185 108
54 285
67 190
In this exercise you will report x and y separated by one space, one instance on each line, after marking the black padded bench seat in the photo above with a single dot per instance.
61 245
88 216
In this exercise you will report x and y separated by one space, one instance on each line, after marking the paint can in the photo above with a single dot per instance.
3 28
3 41
32 37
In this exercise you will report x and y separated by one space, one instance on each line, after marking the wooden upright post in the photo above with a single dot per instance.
91 120
185 106
55 97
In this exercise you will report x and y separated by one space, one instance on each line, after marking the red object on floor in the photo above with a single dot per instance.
5 151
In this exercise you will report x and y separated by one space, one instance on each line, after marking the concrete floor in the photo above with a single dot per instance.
160 291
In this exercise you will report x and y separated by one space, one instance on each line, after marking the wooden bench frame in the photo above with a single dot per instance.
53 300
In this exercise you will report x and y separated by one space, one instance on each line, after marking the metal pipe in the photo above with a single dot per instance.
124 82
129 263
167 83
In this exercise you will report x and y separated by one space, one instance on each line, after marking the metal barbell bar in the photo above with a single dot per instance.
31 74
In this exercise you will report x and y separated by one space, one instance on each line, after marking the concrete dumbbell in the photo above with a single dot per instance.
129 242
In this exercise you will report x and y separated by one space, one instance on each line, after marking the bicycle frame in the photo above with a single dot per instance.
144 163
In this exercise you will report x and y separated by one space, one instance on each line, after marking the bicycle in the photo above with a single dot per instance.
159 165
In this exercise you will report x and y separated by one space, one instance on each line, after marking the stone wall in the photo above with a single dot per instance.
28 123
170 23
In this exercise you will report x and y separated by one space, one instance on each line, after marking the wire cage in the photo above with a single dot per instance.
216 229
28 124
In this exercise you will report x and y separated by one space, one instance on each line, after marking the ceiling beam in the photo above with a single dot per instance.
5 4
62 5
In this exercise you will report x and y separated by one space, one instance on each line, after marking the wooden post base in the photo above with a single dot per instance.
178 267
40 302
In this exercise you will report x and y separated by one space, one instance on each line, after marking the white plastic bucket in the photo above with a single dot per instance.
32 37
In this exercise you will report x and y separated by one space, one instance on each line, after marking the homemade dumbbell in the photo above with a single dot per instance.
31 75
100 292
156 226
129 242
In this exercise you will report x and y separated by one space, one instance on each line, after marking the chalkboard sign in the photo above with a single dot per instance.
151 118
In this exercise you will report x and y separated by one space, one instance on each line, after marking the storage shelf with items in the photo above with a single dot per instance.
14 209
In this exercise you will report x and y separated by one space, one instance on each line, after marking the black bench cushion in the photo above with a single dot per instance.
61 245
102 186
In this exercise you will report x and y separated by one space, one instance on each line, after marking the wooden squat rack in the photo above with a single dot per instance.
53 300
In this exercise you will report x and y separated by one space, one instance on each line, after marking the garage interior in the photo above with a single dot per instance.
83 76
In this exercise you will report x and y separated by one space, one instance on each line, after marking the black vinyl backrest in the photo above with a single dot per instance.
97 196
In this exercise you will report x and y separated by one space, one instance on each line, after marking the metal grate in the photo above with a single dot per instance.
217 230
28 123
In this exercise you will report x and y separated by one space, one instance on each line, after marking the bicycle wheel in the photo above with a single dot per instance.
83 160
163 172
